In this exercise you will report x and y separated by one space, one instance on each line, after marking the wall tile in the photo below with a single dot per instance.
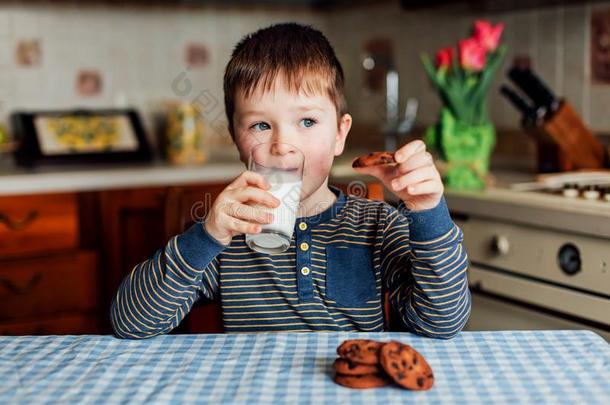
140 52
575 23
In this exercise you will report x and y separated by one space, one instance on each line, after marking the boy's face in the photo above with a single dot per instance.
308 122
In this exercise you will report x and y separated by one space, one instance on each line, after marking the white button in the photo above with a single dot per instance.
305 271
302 226
304 246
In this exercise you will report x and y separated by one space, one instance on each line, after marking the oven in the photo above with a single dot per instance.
536 261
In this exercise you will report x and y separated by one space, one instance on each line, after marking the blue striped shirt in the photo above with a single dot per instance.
332 278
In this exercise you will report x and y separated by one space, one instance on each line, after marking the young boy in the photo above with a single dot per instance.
284 83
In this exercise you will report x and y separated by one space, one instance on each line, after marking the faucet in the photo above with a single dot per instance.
395 128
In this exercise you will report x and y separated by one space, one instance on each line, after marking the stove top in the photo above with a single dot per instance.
586 186
550 202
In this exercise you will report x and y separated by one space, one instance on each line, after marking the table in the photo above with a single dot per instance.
513 366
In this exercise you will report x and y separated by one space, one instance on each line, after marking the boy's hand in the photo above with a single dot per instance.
414 179
230 215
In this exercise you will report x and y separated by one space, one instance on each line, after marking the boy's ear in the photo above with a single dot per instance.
345 125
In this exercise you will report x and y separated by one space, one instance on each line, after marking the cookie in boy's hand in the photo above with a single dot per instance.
406 366
374 159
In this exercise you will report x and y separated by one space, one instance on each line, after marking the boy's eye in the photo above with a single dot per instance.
308 122
260 126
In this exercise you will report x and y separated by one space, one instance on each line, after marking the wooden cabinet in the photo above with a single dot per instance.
38 287
60 325
48 278
32 225
183 207
63 256
131 229
138 222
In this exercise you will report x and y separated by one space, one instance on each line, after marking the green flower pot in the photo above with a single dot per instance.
464 150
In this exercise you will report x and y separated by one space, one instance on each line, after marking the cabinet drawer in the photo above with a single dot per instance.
63 325
30 288
30 225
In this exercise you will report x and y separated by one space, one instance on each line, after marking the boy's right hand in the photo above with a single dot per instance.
231 216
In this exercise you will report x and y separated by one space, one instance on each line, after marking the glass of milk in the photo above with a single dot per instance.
282 166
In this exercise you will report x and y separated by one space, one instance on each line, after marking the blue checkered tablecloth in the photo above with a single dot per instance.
518 367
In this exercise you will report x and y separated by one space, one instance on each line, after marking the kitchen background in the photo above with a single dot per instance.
139 54
69 233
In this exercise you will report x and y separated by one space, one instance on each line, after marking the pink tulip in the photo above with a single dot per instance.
472 54
444 57
488 35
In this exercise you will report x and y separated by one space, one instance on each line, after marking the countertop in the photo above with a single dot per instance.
222 166
503 203
499 202
219 168
88 178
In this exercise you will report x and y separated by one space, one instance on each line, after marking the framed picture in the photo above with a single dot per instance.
600 46
82 136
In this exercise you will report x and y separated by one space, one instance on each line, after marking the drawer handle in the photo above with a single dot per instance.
18 225
11 287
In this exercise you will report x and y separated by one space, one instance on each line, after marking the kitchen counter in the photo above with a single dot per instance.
538 209
87 178
15 180
502 202
497 202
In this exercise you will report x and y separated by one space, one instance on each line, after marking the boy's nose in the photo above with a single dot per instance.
279 148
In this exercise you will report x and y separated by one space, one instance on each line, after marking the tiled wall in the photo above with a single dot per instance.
556 38
139 53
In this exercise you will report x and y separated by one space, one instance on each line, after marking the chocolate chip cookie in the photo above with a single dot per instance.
406 366
346 367
374 159
361 351
362 381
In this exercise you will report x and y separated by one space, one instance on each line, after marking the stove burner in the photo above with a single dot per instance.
570 190
585 185
584 190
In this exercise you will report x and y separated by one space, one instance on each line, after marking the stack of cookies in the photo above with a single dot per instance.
370 364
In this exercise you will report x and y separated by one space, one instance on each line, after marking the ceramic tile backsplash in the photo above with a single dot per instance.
140 54
556 39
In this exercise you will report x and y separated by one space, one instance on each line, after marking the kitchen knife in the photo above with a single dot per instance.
531 116
535 88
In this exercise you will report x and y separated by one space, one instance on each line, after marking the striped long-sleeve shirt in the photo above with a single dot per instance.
332 278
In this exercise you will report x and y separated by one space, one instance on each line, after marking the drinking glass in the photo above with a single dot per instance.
282 165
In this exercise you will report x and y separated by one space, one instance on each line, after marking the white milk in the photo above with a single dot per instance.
275 237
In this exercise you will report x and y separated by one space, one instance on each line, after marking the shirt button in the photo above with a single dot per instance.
305 271
302 226
304 246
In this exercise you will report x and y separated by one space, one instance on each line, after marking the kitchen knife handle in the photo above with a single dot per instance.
531 116
518 101
534 87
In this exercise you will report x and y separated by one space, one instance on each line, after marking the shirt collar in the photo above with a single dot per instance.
329 213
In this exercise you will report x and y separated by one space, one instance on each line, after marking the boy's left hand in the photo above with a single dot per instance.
414 179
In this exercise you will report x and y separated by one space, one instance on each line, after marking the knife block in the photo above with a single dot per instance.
576 147
549 156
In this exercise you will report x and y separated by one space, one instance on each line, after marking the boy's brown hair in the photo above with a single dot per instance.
301 54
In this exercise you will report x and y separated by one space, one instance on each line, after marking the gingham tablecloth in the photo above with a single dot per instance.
517 367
